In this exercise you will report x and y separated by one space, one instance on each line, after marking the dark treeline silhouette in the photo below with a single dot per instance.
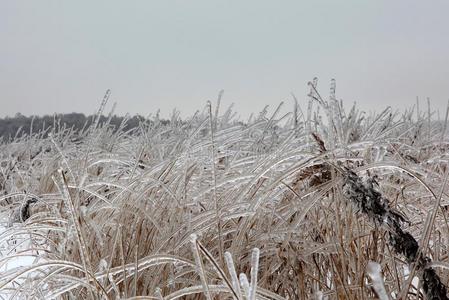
20 125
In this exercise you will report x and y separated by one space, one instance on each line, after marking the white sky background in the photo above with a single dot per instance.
61 56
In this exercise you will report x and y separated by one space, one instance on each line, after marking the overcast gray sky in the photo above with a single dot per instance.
61 56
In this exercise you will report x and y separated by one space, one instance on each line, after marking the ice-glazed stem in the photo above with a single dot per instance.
374 271
199 265
233 273
254 270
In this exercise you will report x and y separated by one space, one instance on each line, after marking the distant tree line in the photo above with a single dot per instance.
20 125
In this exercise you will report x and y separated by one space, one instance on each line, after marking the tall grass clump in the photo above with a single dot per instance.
318 203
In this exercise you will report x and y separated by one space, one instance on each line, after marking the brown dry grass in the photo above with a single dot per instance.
150 214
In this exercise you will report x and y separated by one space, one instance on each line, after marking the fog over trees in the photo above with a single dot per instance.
19 125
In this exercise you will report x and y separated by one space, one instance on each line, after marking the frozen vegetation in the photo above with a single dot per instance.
317 203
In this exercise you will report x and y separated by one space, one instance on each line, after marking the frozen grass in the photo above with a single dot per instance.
213 208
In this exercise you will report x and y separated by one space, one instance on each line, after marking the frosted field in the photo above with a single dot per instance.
316 203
